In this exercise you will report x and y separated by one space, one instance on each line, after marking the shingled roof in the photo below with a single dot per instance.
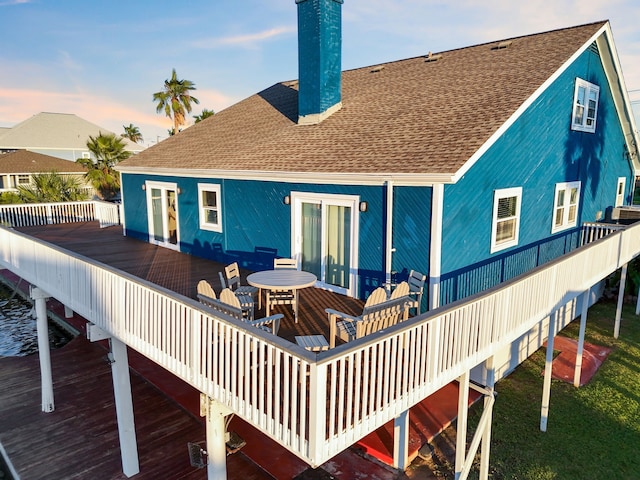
404 118
26 162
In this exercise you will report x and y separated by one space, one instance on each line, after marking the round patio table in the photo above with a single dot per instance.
282 280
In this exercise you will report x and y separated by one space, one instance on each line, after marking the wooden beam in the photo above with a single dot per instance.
583 326
461 427
401 441
124 407
546 389
623 281
44 354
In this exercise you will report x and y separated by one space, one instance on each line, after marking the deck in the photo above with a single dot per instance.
174 402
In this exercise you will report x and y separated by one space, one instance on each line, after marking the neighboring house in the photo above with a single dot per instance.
60 135
19 167
471 165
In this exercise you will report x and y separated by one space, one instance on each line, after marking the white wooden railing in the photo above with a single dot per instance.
316 405
31 214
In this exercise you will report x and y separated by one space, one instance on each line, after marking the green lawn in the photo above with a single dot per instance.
593 431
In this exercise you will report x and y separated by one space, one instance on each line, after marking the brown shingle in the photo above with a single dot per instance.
24 161
411 117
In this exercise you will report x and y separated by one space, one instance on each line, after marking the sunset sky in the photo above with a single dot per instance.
103 60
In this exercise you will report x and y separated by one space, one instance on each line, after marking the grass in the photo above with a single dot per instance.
593 431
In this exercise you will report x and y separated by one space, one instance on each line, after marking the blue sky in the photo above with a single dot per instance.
103 60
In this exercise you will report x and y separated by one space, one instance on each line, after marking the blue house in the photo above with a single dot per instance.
471 165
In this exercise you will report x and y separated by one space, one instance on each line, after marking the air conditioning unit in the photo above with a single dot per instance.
626 214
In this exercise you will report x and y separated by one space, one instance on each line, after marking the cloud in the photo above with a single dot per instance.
13 2
247 41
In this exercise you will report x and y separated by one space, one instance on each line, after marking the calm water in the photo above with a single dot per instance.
18 331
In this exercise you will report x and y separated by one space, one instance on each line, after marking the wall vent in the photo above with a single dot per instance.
432 57
503 44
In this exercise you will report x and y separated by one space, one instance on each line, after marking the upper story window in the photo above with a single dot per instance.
565 206
506 218
620 191
86 155
210 207
585 106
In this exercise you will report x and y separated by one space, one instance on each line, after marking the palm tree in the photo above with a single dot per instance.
52 187
132 133
205 114
108 150
175 99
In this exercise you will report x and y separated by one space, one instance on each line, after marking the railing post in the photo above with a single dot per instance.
317 408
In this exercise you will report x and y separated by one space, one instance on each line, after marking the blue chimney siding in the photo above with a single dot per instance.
319 58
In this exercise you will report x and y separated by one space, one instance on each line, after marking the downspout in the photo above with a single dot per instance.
389 233
435 248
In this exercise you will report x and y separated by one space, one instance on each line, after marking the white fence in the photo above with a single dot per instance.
31 214
314 404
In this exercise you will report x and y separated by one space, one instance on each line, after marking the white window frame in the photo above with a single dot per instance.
497 196
620 191
565 189
215 188
86 155
580 118
23 179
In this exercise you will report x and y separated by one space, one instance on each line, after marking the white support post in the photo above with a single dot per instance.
623 281
401 441
216 437
638 302
435 249
488 405
68 313
461 426
124 407
46 376
583 326
546 389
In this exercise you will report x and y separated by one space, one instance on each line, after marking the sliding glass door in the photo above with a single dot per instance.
325 238
162 211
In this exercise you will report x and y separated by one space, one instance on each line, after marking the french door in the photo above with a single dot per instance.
162 208
325 238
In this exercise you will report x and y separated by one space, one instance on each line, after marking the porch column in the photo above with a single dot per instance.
124 407
389 234
401 441
435 249
623 281
46 377
583 326
546 388
216 437
461 426
117 357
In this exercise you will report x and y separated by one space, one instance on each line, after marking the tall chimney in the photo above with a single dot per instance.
319 59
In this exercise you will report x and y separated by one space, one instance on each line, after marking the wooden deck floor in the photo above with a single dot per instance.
180 273
79 439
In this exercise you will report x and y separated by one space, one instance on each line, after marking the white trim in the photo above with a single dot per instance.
525 105
435 248
215 188
497 196
164 186
565 187
352 201
589 89
389 248
312 178
620 185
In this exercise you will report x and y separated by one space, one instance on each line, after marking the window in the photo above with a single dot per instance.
23 179
620 191
210 208
506 218
585 106
86 155
565 206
